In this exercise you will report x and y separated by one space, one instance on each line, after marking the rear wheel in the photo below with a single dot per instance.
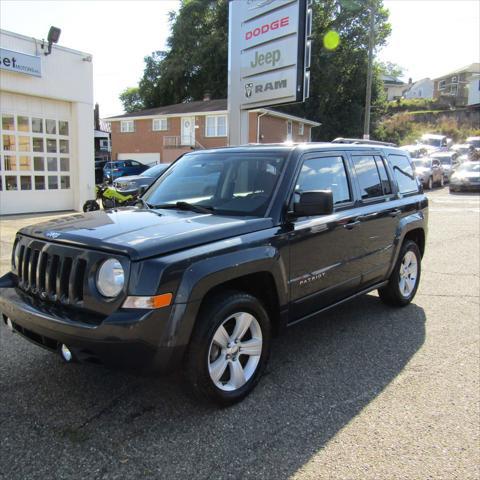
229 348
403 283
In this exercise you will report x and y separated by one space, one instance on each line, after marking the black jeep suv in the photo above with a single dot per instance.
225 249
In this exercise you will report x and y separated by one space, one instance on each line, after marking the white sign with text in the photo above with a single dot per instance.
20 62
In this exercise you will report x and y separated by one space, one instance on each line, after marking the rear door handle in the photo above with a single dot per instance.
351 225
395 213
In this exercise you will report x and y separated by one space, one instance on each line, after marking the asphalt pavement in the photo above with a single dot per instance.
362 392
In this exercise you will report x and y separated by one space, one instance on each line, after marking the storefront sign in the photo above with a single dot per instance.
20 62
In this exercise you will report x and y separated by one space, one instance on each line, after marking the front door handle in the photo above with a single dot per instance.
352 224
395 213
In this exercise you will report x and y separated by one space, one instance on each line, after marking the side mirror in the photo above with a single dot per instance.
315 202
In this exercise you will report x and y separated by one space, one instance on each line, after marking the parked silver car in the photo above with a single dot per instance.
133 184
429 171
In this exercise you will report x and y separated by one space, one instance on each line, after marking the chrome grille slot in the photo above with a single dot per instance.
41 272
32 274
20 263
77 277
25 268
63 278
51 284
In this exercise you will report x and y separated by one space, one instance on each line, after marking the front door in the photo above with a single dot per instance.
188 131
324 249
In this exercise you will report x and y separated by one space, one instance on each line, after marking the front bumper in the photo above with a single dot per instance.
133 339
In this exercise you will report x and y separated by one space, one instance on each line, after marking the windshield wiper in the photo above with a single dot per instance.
186 206
143 202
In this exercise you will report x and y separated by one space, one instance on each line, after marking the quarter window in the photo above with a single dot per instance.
325 173
403 172
127 126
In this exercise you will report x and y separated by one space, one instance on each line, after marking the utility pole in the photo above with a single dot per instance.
368 95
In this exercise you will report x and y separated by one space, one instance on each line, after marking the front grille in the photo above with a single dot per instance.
52 273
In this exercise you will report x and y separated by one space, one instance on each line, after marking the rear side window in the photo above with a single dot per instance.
325 173
403 172
368 176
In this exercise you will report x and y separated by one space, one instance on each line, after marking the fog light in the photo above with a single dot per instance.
9 324
66 353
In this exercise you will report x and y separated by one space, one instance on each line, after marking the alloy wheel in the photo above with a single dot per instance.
235 351
408 274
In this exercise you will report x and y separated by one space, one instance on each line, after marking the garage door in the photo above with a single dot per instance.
145 158
36 163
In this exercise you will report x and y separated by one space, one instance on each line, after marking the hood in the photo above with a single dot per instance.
141 233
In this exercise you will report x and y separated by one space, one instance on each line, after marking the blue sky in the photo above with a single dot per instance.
429 37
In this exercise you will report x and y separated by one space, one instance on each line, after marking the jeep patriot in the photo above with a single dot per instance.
227 248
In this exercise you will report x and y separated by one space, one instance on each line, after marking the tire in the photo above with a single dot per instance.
207 358
442 181
400 290
429 185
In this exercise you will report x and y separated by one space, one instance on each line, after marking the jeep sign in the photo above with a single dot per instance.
268 57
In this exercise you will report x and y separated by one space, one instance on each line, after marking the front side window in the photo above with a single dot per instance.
325 173
216 126
403 172
127 126
159 124
227 183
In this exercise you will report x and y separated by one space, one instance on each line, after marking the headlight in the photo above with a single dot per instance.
110 278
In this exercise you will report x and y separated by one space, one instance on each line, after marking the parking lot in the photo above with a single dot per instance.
362 392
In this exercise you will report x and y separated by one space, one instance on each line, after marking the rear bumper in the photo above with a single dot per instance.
131 339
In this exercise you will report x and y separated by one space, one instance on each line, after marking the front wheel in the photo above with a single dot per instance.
403 283
229 348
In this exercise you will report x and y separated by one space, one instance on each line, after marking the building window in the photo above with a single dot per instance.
454 89
127 126
216 126
104 144
289 131
159 124
301 129
455 79
441 84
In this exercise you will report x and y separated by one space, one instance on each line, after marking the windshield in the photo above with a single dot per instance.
421 163
469 167
155 170
227 183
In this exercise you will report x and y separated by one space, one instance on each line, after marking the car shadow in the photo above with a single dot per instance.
322 373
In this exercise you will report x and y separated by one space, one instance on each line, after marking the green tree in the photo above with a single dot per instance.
131 99
196 62
389 68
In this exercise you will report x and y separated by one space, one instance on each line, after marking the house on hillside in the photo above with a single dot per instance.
474 91
420 89
162 134
393 87
453 87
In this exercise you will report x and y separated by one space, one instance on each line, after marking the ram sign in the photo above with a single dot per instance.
269 52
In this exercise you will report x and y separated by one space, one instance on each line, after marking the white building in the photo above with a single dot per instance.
47 143
421 89
474 90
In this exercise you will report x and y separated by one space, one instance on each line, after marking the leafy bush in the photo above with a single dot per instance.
403 130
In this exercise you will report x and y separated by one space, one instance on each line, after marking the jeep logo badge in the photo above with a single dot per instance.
52 235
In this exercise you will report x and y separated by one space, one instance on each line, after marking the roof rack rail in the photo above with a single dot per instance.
361 141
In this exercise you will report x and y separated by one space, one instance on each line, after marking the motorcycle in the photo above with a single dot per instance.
109 198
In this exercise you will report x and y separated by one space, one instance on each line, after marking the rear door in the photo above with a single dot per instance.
377 213
324 249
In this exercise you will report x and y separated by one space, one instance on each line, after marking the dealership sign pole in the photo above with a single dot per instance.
269 55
